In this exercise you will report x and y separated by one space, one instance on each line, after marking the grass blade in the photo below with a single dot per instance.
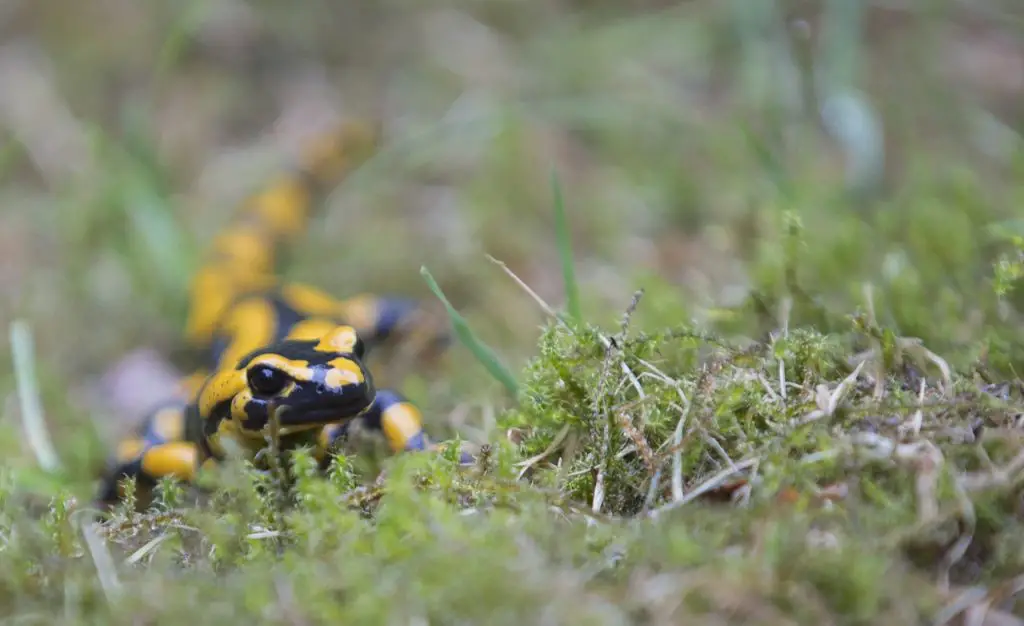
481 351
28 396
846 112
572 294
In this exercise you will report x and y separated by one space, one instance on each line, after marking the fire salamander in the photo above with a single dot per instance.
274 349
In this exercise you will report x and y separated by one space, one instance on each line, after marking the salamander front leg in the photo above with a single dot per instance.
402 424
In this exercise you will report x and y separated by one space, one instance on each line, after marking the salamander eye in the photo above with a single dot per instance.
267 381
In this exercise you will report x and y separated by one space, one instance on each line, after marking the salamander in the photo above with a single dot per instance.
278 355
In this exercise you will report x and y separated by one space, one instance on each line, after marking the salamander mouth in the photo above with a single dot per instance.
335 412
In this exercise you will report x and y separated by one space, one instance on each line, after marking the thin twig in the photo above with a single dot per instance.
978 481
677 456
706 486
918 418
533 294
530 462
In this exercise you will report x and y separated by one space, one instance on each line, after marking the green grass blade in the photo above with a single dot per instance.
846 112
481 351
23 353
572 294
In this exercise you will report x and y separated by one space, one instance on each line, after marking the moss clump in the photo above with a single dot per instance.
863 428
685 404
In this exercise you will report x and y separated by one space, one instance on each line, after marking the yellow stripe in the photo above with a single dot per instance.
284 206
250 325
245 250
401 423
222 386
176 459
243 256
296 369
311 329
213 289
332 155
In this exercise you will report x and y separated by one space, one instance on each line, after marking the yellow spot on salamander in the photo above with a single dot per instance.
401 423
213 289
250 324
308 330
238 404
324 439
283 205
342 339
176 459
344 372
245 250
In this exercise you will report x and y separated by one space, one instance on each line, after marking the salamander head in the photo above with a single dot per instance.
306 383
